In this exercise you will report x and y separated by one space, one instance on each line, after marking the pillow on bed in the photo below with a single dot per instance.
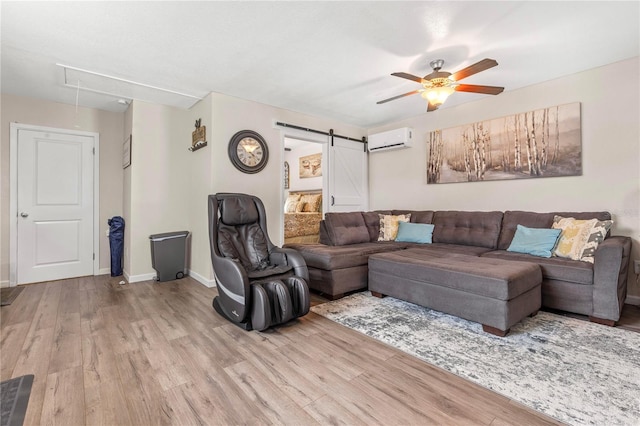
312 202
291 203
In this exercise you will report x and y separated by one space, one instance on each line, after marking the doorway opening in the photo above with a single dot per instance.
304 187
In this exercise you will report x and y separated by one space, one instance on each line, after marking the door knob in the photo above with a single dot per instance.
23 214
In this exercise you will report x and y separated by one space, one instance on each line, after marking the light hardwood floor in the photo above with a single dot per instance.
157 353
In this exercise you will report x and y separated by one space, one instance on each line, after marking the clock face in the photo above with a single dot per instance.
248 151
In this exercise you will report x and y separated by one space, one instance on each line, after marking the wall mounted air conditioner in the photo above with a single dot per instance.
392 139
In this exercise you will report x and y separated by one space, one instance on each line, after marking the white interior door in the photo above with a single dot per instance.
348 176
55 205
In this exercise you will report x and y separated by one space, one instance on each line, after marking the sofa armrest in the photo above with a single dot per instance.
291 257
610 272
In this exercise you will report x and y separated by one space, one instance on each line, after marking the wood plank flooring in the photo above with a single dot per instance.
157 353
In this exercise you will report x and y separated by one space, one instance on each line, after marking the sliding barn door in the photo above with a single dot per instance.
348 176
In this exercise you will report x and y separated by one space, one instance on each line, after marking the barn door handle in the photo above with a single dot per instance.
333 200
23 214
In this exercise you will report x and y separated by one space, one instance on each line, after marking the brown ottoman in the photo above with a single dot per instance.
494 292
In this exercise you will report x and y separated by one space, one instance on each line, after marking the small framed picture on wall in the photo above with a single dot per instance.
126 153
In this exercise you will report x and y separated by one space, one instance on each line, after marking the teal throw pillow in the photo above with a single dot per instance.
420 233
534 241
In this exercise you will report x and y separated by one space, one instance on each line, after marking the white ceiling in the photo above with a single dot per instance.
331 59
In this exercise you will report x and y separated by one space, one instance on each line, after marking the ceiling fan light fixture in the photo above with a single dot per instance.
437 95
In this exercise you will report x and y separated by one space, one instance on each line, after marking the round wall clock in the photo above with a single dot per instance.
248 151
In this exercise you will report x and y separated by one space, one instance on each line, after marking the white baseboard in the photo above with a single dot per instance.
633 300
4 284
140 277
104 271
202 280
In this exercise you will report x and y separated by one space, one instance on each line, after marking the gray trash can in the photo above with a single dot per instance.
168 255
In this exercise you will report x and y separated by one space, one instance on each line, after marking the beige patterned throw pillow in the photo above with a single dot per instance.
291 203
313 202
574 237
389 225
597 235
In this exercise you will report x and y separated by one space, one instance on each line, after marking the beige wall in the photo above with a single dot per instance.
167 186
230 115
610 155
109 125
126 196
158 181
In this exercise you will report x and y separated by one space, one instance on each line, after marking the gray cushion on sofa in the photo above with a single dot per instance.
553 268
421 216
346 228
338 257
467 228
372 220
514 218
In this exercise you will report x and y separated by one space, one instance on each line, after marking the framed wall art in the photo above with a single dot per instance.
126 153
541 143
310 166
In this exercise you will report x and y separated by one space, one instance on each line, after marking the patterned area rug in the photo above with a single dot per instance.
574 371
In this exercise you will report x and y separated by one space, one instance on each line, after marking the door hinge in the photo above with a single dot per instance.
94 151
333 200
94 256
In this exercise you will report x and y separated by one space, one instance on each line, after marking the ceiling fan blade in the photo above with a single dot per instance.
399 96
484 64
431 107
408 76
489 90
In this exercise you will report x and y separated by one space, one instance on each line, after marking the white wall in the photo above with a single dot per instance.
109 125
610 155
167 187
293 156
199 187
158 179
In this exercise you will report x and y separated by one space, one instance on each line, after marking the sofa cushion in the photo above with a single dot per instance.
513 218
580 238
346 228
553 268
419 233
480 229
336 257
421 216
534 241
372 220
574 236
389 225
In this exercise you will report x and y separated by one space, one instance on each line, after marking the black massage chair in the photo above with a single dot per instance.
259 284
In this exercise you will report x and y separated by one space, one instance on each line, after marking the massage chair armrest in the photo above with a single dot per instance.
287 256
232 276
610 272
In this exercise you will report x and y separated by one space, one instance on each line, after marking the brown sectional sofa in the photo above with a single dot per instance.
340 262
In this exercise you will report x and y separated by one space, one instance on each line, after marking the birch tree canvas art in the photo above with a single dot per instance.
541 143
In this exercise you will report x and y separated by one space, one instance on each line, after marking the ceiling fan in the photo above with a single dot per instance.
438 85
